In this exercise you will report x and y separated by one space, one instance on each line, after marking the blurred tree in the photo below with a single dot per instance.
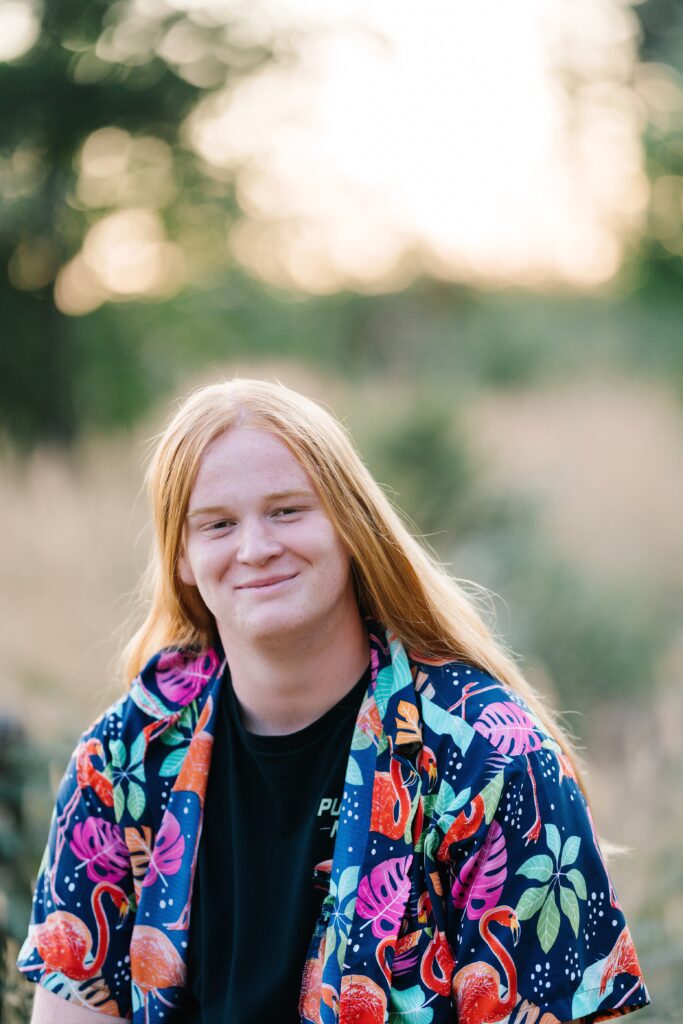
119 78
660 87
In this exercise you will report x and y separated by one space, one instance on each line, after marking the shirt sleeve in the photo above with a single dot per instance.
79 934
532 916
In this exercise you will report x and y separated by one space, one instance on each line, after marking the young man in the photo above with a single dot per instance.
328 794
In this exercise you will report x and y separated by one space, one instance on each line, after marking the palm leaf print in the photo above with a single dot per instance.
93 993
408 724
139 843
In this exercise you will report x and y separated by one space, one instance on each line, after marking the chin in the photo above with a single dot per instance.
273 628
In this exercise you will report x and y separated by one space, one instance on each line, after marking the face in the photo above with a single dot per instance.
259 546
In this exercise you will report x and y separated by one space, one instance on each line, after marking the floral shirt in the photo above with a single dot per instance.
467 882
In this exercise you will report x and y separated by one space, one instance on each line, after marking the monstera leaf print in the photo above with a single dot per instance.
382 895
100 846
180 679
508 728
168 851
480 881
408 1006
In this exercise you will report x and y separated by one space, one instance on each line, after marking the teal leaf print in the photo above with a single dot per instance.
552 835
139 772
354 776
136 800
490 794
579 883
408 1007
330 944
540 868
432 844
361 739
548 923
382 744
531 901
137 997
171 738
343 899
570 906
445 799
172 762
384 688
119 802
137 751
587 997
118 753
428 805
347 882
570 851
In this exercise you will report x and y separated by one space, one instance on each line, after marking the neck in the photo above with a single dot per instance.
284 689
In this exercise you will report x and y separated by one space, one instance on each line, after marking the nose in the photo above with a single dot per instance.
257 542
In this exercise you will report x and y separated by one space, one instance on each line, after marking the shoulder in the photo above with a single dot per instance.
173 678
169 682
171 690
468 704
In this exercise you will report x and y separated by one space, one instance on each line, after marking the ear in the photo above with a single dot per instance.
185 569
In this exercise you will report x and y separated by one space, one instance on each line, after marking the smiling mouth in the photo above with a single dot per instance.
266 584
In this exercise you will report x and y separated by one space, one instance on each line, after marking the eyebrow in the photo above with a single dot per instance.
275 496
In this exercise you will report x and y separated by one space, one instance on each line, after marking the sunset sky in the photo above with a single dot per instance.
488 143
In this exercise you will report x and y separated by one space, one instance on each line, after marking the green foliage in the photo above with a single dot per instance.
94 66
597 641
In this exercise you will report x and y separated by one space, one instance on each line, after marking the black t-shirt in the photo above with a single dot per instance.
270 818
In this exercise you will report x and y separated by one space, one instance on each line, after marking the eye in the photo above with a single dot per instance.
218 524
286 512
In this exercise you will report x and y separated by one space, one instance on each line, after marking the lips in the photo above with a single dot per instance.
267 581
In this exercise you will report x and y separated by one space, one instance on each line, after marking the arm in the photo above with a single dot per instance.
83 907
50 1009
530 899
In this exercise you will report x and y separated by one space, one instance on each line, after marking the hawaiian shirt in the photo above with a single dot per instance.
467 882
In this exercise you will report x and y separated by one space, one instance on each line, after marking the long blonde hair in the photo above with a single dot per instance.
398 581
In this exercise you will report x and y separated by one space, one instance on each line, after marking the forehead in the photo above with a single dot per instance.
244 460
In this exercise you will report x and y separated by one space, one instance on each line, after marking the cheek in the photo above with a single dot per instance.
197 563
337 558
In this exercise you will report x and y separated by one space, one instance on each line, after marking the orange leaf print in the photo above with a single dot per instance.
408 724
436 882
139 842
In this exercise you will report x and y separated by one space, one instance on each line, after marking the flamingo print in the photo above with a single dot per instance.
156 964
87 777
192 778
390 802
64 941
438 951
476 986
622 960
362 1001
464 826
